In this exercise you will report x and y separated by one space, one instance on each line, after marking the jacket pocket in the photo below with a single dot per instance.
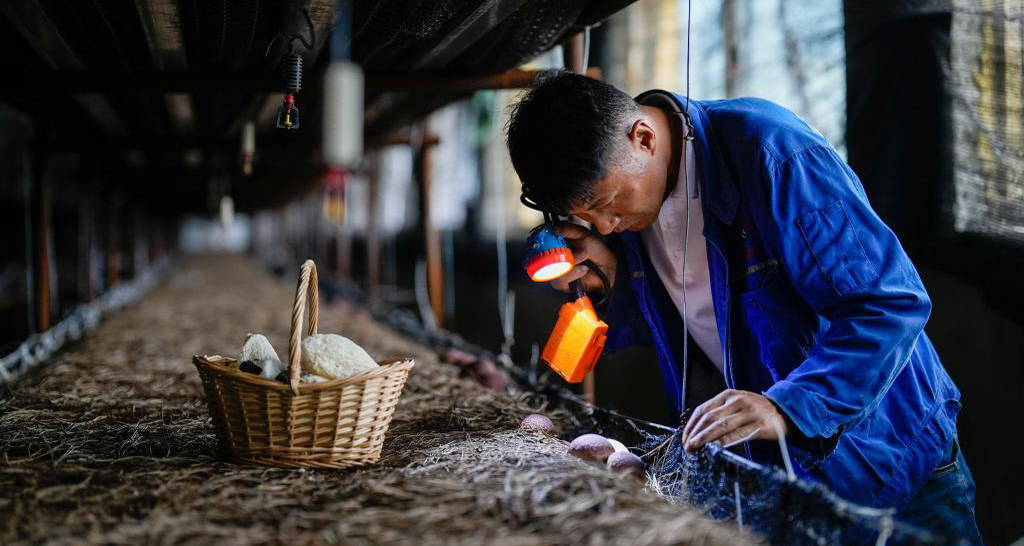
781 324
832 239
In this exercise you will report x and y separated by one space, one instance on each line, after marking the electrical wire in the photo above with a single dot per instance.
505 296
586 48
685 165
423 298
689 15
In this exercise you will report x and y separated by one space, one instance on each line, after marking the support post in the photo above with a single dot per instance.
41 229
572 57
431 238
373 274
572 53
731 42
113 247
85 242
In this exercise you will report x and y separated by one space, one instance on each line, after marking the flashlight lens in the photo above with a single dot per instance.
552 271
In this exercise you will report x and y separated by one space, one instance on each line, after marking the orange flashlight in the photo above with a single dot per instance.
579 335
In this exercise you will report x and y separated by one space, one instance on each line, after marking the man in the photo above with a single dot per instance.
740 221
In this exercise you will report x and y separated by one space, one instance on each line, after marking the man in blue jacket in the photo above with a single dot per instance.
737 222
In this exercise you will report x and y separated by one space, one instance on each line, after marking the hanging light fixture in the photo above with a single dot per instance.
248 146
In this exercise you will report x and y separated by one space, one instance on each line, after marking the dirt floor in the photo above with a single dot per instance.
111 444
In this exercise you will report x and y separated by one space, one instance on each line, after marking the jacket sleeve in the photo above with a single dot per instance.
626 326
849 266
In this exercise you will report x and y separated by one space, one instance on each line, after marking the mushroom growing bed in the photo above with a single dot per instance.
111 443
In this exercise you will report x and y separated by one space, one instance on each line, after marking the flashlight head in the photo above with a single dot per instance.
548 257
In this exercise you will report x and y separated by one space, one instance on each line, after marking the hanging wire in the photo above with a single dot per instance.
423 298
739 506
781 437
292 38
685 165
886 532
449 274
505 297
508 327
689 15
586 48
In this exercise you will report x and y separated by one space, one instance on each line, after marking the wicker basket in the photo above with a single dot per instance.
335 424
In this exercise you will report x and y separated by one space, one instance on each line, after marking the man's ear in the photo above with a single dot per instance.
642 136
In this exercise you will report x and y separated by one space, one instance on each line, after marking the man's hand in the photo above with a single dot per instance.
585 245
733 417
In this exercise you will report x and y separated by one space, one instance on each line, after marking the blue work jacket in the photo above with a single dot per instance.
817 305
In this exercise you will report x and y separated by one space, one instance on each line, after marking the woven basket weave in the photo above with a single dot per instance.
335 424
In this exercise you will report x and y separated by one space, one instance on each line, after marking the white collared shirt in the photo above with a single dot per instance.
664 243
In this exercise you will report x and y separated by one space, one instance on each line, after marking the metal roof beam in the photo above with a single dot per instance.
130 144
38 30
322 14
161 23
163 82
488 15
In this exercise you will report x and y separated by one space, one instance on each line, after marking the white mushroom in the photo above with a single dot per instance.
334 357
267 368
270 368
624 461
257 347
619 446
306 377
591 447
538 423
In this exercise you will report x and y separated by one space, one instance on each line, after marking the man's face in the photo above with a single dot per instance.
629 197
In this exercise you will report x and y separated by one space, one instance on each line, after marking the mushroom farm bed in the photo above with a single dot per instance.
111 443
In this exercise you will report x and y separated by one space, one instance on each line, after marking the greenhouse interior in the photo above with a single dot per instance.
511 272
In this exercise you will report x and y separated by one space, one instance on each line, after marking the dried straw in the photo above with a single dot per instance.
111 444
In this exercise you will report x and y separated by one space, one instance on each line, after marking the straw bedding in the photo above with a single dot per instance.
111 444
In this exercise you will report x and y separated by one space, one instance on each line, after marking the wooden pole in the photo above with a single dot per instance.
85 241
113 246
731 42
431 238
572 53
423 83
373 276
343 251
42 231
572 57
140 244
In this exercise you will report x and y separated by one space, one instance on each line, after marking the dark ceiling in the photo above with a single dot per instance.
158 90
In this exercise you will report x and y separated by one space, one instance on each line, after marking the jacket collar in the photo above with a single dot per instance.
718 189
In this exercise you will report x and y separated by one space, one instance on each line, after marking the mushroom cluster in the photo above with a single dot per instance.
598 449
324 357
591 447
335 357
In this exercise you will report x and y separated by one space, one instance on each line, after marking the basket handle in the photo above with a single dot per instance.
306 291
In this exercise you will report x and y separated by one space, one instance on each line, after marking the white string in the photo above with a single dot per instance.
586 48
422 298
684 164
739 507
785 450
508 327
743 439
686 245
505 296
885 532
534 361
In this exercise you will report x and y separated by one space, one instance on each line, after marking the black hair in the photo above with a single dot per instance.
564 133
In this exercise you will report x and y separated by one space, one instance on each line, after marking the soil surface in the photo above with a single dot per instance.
111 443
